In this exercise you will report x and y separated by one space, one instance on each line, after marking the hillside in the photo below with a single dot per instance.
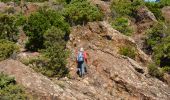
127 49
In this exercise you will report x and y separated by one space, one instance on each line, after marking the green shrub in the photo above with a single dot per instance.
9 90
55 51
24 0
126 7
7 48
38 23
81 12
36 0
122 25
158 43
20 20
154 71
128 51
8 28
53 60
166 69
155 8
164 3
9 1
156 34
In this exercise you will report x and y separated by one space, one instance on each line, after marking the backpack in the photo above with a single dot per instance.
80 57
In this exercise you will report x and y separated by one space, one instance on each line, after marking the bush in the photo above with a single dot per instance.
7 48
36 0
24 0
166 69
155 8
158 42
156 34
55 51
126 7
9 90
81 12
38 23
128 51
52 62
164 3
154 71
8 28
122 25
20 20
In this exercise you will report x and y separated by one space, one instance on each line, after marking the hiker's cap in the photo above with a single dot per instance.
81 49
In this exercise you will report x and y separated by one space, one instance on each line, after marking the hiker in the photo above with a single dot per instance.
82 61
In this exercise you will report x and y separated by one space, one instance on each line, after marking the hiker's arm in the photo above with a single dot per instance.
86 60
85 57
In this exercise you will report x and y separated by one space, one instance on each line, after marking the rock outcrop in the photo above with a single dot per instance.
145 19
166 13
104 6
37 84
110 76
110 72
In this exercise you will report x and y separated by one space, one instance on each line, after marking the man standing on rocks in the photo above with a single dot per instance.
82 60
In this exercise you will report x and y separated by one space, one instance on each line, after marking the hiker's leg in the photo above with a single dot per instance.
79 68
83 68
78 71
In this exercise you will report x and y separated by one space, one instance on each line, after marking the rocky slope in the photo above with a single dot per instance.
110 76
117 75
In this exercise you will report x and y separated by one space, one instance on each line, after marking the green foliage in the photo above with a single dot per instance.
162 52
81 12
126 7
155 8
164 3
25 0
8 28
166 69
41 21
122 25
9 90
156 34
36 0
128 51
154 71
55 52
53 60
9 1
61 1
7 48
47 32
20 20
158 42
121 7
